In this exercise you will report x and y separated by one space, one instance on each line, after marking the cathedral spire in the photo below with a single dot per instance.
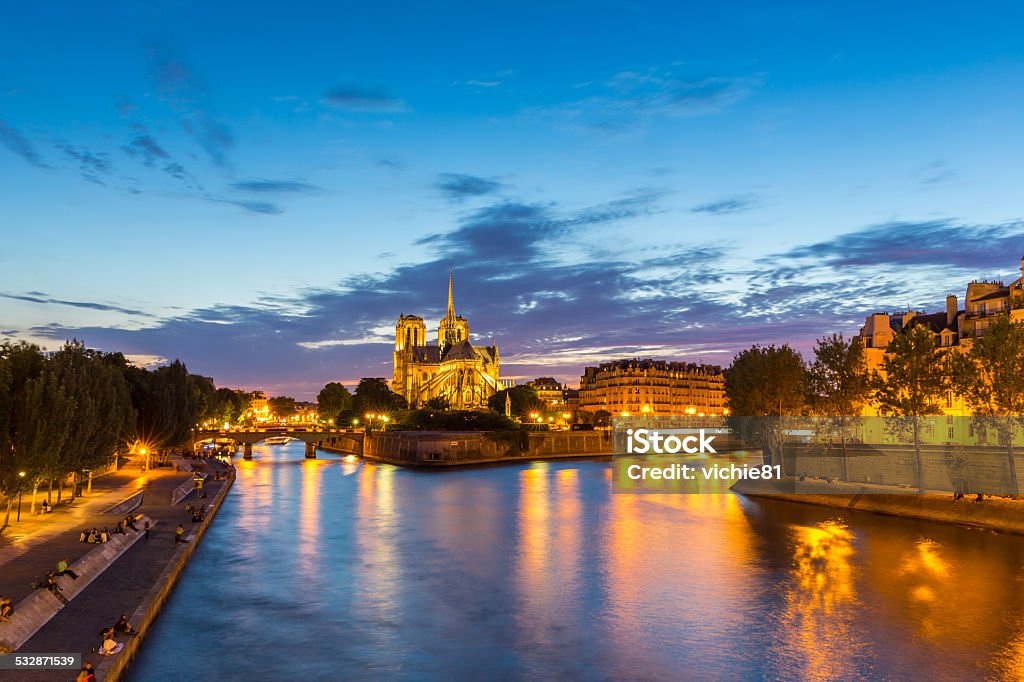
451 298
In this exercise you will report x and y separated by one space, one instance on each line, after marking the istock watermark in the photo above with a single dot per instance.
648 441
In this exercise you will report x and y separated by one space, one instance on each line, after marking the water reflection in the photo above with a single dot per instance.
539 571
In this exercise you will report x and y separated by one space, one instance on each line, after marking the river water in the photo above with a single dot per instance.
344 569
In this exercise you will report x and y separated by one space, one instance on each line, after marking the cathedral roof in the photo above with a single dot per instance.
462 350
426 354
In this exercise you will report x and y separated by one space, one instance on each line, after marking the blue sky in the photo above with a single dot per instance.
261 190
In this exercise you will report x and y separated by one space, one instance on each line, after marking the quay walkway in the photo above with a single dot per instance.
135 583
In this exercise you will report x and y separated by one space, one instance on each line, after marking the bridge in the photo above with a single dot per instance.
337 440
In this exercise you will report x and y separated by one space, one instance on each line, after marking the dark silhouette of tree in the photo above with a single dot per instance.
332 400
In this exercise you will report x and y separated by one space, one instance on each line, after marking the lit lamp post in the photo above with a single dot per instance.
21 474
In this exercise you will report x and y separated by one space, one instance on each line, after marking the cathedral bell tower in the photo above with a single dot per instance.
410 332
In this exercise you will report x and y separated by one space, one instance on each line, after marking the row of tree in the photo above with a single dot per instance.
72 411
911 383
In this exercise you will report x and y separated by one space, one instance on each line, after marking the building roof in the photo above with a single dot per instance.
935 322
1002 293
463 350
426 354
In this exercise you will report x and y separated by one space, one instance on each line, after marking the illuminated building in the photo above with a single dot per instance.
465 375
258 408
954 329
654 388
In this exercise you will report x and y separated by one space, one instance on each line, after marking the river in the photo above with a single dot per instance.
336 568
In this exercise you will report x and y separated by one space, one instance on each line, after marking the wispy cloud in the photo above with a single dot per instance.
358 98
630 100
458 187
934 173
938 243
41 298
187 95
19 145
723 206
263 186
92 166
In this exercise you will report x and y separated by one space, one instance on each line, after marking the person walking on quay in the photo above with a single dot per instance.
62 569
179 534
129 521
147 529
6 609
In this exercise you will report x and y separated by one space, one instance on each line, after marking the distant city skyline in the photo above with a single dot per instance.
262 193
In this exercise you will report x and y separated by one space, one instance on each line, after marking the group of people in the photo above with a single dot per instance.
197 512
97 537
109 645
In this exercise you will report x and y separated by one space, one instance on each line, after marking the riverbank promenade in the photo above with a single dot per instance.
29 549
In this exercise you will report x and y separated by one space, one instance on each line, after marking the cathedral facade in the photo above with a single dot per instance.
463 374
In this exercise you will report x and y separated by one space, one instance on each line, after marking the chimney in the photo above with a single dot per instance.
951 309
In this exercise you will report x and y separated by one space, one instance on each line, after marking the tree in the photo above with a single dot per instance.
165 402
523 397
228 405
602 418
42 423
282 406
990 377
766 389
103 417
837 383
332 400
909 385
437 403
374 395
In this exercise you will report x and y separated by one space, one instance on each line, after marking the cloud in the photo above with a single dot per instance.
631 100
934 173
935 243
38 297
725 206
146 149
458 187
187 95
357 98
19 145
91 165
261 207
262 186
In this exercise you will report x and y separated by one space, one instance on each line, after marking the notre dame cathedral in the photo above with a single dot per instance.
453 369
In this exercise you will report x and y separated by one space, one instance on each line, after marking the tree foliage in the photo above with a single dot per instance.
374 395
524 398
909 385
990 377
767 392
332 400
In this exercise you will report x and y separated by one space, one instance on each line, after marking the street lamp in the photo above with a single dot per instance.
21 474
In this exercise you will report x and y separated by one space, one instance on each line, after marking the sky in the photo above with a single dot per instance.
262 189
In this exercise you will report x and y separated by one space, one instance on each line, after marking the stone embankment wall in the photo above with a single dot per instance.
948 468
437 448
992 513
